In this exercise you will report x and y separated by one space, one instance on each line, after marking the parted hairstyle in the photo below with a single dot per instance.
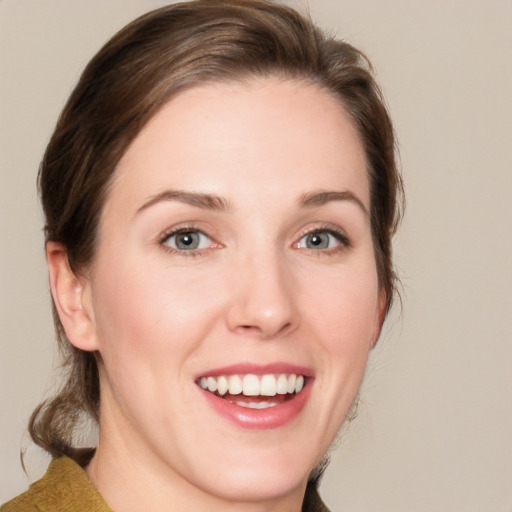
140 69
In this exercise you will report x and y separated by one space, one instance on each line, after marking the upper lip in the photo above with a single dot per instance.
257 369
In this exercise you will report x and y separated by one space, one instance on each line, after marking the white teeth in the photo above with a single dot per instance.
235 385
222 385
251 385
299 384
212 384
268 386
256 405
282 385
254 385
291 383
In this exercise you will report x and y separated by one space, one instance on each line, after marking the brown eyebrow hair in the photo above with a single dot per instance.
201 200
322 197
217 203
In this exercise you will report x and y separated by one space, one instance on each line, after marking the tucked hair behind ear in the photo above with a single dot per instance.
128 81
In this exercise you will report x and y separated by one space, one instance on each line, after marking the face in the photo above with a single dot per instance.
234 295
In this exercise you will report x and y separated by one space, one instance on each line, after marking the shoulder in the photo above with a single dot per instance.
65 487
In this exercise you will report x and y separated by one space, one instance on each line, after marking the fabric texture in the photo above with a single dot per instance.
65 487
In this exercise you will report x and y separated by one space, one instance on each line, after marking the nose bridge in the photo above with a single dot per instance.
263 303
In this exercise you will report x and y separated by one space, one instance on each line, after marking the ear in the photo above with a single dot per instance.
380 316
72 299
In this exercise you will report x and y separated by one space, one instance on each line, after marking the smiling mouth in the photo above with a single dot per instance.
254 391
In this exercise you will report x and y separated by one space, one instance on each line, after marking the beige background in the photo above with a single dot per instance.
435 427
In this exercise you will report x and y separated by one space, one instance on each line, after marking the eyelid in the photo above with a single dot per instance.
185 228
338 233
176 230
203 240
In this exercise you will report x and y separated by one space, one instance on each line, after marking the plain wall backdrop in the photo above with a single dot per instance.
435 423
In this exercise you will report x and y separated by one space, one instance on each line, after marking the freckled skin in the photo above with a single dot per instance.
254 291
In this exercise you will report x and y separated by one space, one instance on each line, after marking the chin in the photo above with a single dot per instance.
256 475
258 484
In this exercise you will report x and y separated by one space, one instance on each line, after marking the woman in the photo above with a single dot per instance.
220 195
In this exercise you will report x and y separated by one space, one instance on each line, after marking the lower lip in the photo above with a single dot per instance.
271 417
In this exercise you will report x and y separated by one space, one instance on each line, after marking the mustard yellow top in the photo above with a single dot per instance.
65 487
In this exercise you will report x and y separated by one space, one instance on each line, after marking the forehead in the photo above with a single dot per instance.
269 134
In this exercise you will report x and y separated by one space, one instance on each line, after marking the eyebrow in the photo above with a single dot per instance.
319 198
217 203
200 200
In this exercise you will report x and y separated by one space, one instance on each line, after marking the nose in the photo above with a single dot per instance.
264 298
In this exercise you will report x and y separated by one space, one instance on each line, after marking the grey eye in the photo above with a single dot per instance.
188 241
319 240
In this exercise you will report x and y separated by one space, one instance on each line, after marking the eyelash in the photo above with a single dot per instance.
340 236
184 229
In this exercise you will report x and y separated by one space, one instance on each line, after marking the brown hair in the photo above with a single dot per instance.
128 81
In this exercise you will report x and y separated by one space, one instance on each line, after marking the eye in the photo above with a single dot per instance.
187 240
322 239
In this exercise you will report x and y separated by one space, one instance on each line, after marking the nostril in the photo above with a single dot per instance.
256 330
249 328
250 331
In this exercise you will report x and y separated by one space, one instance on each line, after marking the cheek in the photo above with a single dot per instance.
345 306
344 323
142 316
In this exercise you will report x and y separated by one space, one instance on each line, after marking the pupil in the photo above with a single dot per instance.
318 240
187 240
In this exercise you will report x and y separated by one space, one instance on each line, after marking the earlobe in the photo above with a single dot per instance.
380 316
72 299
